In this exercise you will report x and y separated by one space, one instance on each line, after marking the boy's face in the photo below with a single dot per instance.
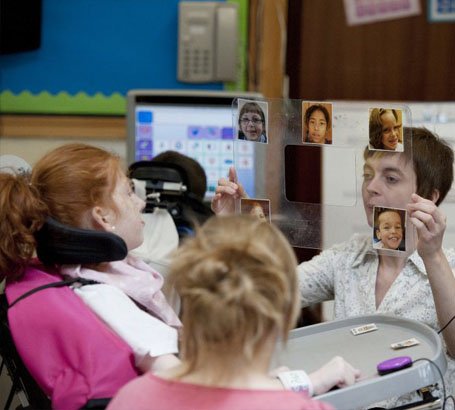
317 127
388 181
390 231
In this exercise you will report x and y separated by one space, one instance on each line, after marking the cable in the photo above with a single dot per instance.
444 398
447 324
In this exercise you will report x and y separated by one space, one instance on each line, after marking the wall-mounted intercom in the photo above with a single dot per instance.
208 41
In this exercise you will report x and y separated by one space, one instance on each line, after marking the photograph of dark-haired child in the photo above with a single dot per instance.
317 124
253 121
389 229
386 129
259 208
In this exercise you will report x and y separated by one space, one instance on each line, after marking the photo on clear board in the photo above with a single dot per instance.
253 121
317 122
385 129
389 229
259 208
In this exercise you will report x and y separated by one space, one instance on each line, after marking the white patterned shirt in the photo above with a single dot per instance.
346 273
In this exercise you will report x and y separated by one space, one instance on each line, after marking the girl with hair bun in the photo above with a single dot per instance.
238 288
83 187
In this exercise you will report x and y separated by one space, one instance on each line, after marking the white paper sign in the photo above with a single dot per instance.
369 11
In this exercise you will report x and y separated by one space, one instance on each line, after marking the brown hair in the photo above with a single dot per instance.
22 214
376 126
256 204
380 210
237 282
254 108
432 160
317 107
64 184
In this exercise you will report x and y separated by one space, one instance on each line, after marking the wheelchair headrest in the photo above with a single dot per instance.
156 174
62 244
165 185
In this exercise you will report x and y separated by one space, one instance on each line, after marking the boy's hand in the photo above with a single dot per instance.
227 191
430 223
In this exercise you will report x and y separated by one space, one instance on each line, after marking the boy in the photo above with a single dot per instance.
389 229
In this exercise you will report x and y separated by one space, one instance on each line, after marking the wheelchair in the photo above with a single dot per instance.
58 244
165 188
24 385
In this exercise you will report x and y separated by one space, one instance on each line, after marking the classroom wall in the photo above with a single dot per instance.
102 46
91 54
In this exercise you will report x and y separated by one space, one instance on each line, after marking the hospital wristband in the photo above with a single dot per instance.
296 380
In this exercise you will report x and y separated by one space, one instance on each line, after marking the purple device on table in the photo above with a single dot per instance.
393 365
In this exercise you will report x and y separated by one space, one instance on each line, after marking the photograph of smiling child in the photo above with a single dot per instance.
259 208
317 123
386 129
389 229
253 121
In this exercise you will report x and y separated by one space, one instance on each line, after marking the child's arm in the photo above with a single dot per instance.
338 372
227 191
430 223
335 373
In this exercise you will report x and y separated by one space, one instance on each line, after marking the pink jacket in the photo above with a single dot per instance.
72 355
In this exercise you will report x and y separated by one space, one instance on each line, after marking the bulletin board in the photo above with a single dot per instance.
92 53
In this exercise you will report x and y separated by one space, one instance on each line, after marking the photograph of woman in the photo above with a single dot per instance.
253 121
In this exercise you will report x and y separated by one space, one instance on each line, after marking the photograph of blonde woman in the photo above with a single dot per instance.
317 124
386 129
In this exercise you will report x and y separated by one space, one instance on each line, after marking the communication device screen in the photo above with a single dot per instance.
199 127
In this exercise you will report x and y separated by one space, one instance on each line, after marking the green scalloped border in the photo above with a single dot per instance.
62 103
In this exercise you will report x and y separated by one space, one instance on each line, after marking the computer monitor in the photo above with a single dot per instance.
198 124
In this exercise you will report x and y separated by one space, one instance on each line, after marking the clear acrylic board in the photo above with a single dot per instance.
306 161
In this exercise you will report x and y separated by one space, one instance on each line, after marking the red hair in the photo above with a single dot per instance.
65 184
22 214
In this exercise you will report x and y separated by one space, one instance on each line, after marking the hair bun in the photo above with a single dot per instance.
237 282
217 275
